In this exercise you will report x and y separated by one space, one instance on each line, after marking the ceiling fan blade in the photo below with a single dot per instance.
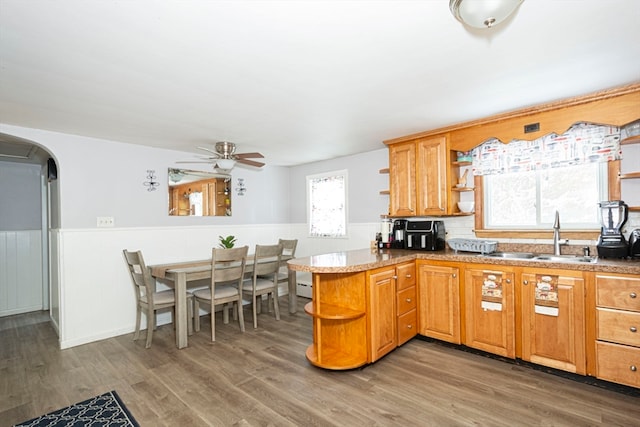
246 155
195 161
210 151
250 163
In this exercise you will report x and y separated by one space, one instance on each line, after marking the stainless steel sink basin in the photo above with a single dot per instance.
511 255
540 257
564 258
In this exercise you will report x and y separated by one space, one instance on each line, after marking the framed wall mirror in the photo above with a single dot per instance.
198 193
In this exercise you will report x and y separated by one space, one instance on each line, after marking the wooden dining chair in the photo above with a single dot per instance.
264 279
147 298
288 252
227 273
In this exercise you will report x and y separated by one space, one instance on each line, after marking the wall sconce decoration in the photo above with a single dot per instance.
240 189
151 180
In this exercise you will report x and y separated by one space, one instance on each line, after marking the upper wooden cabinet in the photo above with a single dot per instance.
402 179
418 177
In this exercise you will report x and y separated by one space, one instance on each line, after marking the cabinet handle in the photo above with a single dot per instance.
411 326
395 277
525 282
633 368
453 275
508 280
633 329
408 276
409 300
633 295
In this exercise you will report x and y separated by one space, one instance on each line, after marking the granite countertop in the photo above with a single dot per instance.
368 259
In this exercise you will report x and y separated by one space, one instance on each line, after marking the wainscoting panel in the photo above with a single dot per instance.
20 271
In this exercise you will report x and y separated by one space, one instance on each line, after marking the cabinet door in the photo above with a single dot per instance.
431 176
553 320
402 179
382 312
439 302
490 311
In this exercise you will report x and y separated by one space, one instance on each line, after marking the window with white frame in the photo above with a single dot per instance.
327 204
525 182
528 200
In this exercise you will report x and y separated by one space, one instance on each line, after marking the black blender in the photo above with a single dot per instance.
612 243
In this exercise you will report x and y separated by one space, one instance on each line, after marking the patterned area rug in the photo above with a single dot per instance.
104 410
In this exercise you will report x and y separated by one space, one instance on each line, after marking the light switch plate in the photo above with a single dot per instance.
105 221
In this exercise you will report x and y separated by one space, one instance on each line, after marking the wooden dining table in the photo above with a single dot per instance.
179 274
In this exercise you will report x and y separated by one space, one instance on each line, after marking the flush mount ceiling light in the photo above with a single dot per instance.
483 13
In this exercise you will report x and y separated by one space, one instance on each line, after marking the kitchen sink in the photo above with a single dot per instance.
511 255
540 257
564 258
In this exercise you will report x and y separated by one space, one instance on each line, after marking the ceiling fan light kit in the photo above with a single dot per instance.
483 13
225 164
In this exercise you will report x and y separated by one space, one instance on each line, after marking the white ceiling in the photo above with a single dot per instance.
299 81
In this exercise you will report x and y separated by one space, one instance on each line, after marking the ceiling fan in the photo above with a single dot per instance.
224 156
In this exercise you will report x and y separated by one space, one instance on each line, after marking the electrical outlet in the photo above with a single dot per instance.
105 221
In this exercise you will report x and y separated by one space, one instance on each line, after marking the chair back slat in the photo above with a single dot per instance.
288 248
228 265
267 259
140 274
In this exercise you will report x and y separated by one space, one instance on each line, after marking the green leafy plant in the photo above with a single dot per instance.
227 242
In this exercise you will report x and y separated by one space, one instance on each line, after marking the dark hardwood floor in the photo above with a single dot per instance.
261 378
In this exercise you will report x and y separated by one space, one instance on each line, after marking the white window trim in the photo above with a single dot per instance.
309 178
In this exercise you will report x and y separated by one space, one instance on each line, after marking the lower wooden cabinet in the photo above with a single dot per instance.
406 302
391 308
553 320
381 313
618 328
439 301
489 308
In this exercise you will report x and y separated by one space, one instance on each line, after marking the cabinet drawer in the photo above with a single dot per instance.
406 274
618 363
406 300
618 292
407 326
619 326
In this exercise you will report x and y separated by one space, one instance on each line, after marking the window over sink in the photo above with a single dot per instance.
522 184
528 200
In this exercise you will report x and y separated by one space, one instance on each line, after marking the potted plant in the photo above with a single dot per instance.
227 242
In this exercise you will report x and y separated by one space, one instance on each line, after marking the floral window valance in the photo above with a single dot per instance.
582 143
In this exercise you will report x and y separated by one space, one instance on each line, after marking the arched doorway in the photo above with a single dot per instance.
28 188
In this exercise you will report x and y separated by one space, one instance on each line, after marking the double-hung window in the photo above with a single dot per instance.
327 204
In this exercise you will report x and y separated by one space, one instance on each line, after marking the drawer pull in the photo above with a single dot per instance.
633 295
411 326
633 329
633 368
408 276
409 300
395 277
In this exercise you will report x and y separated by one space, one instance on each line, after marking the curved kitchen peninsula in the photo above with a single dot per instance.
339 304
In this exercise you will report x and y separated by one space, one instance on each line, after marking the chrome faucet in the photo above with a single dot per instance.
556 235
